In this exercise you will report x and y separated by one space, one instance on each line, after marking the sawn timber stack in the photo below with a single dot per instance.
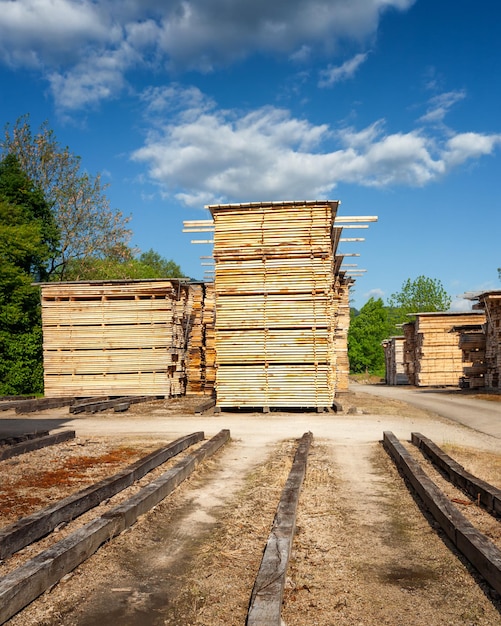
277 299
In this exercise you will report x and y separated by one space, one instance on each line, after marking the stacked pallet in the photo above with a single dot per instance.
433 352
275 304
490 304
394 361
115 337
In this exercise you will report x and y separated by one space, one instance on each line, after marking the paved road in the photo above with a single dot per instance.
481 415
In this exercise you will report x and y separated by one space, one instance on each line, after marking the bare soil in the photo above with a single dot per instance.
364 552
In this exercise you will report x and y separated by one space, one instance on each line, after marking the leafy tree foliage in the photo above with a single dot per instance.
417 296
87 226
27 239
367 331
148 265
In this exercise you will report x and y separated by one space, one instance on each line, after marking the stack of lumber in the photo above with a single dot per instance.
394 361
115 337
341 328
209 326
409 355
201 351
472 341
195 342
490 303
275 304
438 359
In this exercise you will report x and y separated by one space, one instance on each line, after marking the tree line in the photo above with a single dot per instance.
56 224
376 321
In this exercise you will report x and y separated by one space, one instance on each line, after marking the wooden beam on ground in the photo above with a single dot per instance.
36 444
482 553
267 594
27 582
481 491
32 527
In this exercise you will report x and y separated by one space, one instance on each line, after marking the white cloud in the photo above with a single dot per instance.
68 39
464 146
460 305
374 293
203 153
39 32
439 106
335 74
99 78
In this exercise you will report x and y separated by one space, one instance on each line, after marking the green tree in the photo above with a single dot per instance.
87 225
21 241
417 296
367 331
18 190
148 265
27 238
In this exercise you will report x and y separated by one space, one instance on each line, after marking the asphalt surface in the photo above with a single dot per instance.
481 415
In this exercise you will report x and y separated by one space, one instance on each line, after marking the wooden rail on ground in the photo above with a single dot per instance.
484 555
122 403
27 582
32 527
485 494
15 439
266 599
36 443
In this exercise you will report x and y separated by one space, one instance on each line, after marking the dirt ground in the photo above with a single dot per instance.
365 552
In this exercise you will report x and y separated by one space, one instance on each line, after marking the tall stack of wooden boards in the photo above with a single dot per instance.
490 304
342 292
473 342
276 306
116 337
394 361
432 354
201 350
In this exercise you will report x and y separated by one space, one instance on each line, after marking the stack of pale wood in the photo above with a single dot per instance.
341 328
472 341
409 355
490 304
394 361
115 337
432 355
194 367
209 329
201 351
275 304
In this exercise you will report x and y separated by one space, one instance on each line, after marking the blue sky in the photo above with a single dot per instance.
391 106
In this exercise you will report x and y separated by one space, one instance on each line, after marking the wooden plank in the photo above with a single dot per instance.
267 595
27 582
32 527
484 555
481 491
36 444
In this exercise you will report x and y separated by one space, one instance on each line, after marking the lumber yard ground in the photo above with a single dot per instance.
364 552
